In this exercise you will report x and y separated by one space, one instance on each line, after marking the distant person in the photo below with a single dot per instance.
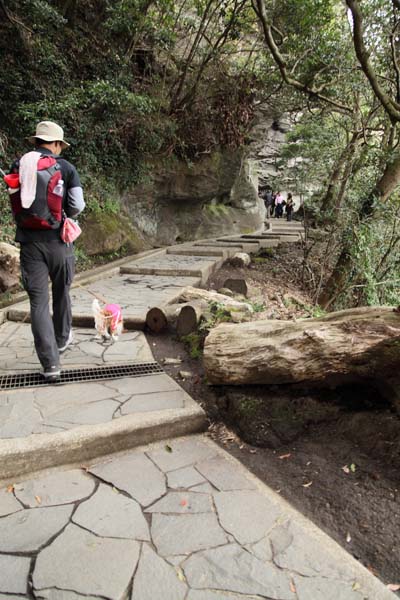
279 204
289 207
272 207
49 188
268 201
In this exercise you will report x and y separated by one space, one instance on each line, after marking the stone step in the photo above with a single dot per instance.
174 266
285 231
284 223
198 251
48 425
263 241
234 246
286 237
176 520
135 293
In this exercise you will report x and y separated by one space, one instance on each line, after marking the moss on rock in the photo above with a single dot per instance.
105 232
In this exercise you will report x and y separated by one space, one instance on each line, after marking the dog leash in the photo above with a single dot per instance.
97 296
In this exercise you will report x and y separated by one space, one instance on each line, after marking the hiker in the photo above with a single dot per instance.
268 201
279 204
272 207
289 207
50 189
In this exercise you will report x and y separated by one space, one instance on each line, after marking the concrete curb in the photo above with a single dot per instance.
22 456
78 320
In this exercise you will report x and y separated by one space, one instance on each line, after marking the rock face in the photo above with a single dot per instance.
267 137
9 267
216 195
107 233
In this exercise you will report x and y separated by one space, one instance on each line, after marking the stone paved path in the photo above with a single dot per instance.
178 520
34 420
175 520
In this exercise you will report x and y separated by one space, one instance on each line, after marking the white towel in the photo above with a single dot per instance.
28 177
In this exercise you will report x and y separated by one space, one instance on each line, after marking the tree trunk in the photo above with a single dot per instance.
341 274
350 345
340 173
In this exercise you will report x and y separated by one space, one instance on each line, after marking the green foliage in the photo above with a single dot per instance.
258 306
315 312
194 343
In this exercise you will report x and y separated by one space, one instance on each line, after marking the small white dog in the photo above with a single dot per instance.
108 320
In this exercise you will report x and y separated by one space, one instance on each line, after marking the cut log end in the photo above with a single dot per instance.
237 285
156 320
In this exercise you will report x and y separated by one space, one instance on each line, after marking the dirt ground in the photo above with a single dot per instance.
333 454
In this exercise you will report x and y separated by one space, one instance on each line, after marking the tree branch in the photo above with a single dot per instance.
391 107
259 9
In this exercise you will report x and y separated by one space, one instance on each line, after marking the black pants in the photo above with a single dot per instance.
39 261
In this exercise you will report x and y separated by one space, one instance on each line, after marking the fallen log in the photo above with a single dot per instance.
190 317
350 345
159 318
190 294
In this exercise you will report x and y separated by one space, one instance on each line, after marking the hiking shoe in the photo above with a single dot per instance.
52 373
67 343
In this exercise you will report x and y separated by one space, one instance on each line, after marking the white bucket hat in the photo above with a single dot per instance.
49 132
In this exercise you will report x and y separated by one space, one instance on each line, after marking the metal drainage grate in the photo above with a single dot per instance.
15 381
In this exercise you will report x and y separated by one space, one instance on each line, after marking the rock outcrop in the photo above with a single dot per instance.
9 268
216 195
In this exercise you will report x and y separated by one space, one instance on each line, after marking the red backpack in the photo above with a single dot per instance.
45 211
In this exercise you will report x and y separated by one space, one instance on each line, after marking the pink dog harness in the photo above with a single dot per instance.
113 311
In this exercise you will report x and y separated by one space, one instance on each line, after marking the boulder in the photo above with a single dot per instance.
105 233
9 268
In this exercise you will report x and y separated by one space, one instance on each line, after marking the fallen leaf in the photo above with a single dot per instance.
353 468
292 586
393 587
346 469
183 502
348 538
181 576
307 484
115 490
38 499
282 456
356 586
168 448
10 488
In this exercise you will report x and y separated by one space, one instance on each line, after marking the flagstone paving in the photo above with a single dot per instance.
56 408
17 352
177 520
